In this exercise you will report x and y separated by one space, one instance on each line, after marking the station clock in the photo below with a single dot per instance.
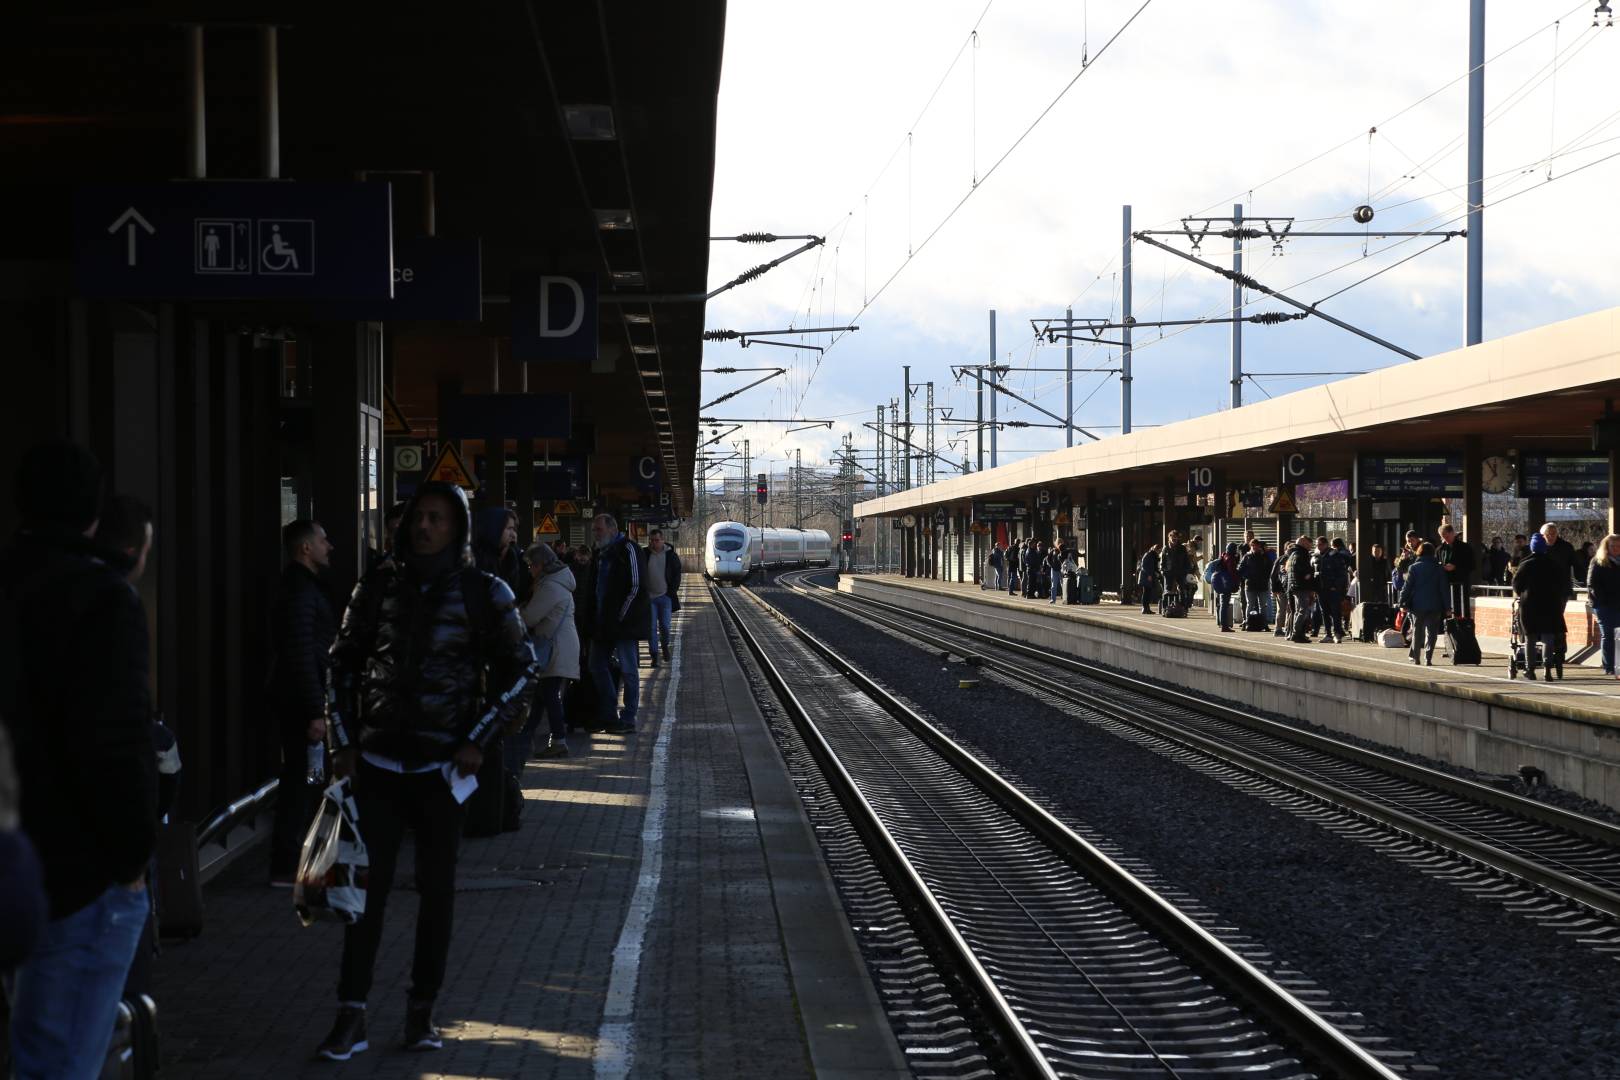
1496 474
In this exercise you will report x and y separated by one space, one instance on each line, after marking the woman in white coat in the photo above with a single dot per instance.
549 615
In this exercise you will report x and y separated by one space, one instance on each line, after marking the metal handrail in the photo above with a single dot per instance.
251 803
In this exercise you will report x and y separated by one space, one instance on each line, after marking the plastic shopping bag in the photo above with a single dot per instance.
331 881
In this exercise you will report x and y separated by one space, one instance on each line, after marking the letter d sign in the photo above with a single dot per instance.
554 316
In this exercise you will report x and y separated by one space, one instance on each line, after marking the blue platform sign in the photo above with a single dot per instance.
554 317
1425 475
508 416
1564 476
647 474
436 279
234 240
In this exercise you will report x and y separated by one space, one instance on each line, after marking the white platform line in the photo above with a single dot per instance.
615 1039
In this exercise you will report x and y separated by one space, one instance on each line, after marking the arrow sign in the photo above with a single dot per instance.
128 220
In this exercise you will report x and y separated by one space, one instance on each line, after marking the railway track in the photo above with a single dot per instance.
1080 969
1574 857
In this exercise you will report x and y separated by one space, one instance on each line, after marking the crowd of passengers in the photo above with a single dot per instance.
1307 590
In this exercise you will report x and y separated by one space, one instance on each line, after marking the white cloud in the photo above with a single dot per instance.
1195 104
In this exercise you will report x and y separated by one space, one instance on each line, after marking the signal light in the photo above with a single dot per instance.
849 538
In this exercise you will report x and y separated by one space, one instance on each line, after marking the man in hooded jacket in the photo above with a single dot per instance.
620 618
431 664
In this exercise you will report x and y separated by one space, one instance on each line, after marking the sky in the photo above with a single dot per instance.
911 136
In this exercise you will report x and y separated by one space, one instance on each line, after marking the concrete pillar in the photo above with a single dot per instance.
1127 566
523 493
494 478
1362 532
1538 509
1473 522
1614 490
1168 498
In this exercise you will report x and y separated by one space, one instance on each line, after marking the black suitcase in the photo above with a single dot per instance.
179 891
1255 622
486 806
1461 642
1375 616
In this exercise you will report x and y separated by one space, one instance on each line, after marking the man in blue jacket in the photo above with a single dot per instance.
1426 597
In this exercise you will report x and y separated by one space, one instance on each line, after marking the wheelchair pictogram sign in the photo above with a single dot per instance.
286 246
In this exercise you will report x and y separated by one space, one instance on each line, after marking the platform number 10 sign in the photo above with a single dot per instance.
1200 480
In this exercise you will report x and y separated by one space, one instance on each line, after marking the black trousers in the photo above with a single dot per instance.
296 798
388 804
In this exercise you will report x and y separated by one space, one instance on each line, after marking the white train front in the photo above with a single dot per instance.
732 551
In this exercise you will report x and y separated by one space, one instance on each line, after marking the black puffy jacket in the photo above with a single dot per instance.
305 624
75 699
1332 569
413 676
1301 571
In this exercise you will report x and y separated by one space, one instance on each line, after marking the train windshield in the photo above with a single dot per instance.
728 541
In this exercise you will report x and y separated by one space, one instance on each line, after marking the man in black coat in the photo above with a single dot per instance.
305 624
431 665
75 701
1456 555
619 622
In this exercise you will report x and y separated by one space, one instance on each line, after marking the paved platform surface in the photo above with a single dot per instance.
1585 693
664 911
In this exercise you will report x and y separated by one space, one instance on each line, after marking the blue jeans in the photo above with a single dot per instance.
1608 620
659 612
548 703
607 695
1332 608
64 1000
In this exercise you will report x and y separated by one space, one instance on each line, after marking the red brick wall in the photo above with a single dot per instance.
1493 618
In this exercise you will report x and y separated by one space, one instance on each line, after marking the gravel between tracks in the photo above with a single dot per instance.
1476 990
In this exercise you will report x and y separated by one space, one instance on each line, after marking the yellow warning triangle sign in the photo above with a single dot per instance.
548 525
1284 502
393 420
565 506
449 468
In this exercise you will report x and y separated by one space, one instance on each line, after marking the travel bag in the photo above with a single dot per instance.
133 1053
1391 639
1370 617
1461 642
179 889
1255 622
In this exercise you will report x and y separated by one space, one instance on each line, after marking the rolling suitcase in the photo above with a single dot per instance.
1461 642
179 892
1370 617
1255 622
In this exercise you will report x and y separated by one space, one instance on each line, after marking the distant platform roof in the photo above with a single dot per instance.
1539 388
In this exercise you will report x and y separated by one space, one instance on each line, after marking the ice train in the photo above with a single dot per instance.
732 551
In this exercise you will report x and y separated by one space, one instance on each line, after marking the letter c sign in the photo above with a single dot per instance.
1298 467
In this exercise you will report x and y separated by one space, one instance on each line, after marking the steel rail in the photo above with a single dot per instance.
1325 1044
1015 1038
1461 844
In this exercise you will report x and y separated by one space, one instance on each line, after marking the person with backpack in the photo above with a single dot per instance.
1425 597
1330 564
1222 577
663 593
549 615
1603 589
1054 571
1300 578
619 623
998 563
1147 578
1254 575
1542 585
76 706
431 665
1175 563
